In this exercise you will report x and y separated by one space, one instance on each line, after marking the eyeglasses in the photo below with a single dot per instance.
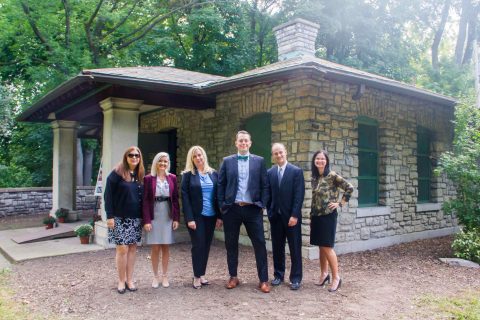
134 155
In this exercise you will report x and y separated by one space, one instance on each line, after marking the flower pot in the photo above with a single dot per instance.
49 226
84 240
61 219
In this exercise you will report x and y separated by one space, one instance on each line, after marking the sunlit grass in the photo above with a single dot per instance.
465 306
10 309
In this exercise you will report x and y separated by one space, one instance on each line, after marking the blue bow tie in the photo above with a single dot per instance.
242 158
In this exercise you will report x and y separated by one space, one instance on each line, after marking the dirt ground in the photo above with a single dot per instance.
380 284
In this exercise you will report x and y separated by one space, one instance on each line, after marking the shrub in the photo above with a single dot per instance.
467 245
61 213
49 220
83 230
462 167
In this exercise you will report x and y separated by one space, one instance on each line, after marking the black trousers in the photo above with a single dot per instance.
280 233
252 218
201 239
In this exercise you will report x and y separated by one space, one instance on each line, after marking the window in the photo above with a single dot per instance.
424 166
260 127
367 162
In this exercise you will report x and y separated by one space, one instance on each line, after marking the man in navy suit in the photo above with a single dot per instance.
287 190
242 196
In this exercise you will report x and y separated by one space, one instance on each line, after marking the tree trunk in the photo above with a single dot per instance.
87 167
439 33
462 31
472 31
79 163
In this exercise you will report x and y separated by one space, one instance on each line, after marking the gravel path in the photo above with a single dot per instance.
379 284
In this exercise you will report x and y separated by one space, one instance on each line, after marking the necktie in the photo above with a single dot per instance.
242 158
280 175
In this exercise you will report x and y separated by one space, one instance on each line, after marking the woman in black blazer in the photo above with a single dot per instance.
200 207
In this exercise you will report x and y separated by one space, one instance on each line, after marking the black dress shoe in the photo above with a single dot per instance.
295 286
130 289
327 279
276 281
338 286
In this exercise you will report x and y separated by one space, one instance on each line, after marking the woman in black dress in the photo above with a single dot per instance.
326 185
123 203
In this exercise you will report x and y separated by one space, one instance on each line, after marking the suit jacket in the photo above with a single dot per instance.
192 197
228 182
150 186
288 197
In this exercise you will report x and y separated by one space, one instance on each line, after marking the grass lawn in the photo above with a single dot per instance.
10 309
462 307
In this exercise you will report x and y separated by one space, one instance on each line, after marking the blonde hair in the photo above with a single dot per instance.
153 170
190 165
123 169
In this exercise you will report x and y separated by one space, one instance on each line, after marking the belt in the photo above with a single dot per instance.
243 204
161 199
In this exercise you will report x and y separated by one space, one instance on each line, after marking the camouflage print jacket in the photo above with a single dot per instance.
326 190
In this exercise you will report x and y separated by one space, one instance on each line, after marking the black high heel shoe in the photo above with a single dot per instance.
327 279
130 289
338 286
121 291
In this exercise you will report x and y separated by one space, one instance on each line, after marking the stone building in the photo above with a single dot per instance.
382 135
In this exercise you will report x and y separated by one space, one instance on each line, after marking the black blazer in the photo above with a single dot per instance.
288 197
192 198
228 182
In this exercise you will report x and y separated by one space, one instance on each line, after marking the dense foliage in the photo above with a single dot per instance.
462 166
43 43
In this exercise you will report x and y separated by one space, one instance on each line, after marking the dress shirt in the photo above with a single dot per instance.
243 195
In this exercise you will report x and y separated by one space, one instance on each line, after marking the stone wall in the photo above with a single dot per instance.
17 201
310 113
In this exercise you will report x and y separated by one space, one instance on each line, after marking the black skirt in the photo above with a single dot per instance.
323 229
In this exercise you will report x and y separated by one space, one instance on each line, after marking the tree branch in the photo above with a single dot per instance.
121 22
88 31
438 34
145 28
179 38
67 8
35 29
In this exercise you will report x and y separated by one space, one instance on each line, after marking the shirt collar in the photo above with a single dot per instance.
283 167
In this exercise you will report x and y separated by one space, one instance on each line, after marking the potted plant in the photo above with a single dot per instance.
48 222
83 232
61 214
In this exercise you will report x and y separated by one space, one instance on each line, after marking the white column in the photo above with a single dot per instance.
64 165
120 131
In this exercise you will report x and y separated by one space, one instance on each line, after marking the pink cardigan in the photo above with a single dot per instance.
150 185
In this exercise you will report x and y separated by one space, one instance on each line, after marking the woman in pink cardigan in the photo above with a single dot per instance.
161 213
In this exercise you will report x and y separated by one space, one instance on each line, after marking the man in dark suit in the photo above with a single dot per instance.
286 193
242 196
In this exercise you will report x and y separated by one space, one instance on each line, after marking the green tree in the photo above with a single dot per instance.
462 166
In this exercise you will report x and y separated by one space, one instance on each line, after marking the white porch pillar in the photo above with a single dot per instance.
64 164
120 131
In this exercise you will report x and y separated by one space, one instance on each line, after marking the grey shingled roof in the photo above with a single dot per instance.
157 74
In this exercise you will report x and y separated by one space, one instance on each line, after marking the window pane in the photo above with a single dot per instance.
367 191
423 190
423 143
367 136
423 167
368 164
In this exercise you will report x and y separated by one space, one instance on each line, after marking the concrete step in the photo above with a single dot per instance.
39 234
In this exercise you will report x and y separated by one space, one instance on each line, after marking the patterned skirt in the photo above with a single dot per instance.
126 231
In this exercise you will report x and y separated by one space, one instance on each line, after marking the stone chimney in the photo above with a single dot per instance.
296 38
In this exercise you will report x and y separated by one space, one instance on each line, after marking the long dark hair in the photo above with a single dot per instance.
315 173
123 170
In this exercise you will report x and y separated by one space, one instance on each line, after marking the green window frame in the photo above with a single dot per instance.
368 162
260 128
424 165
